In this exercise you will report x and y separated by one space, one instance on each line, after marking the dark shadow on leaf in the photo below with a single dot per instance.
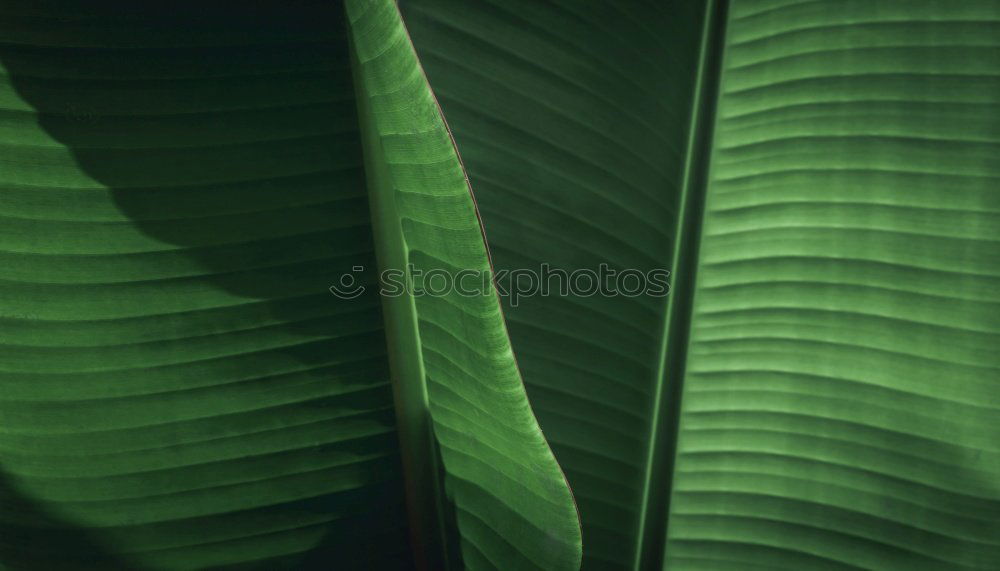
228 135
31 538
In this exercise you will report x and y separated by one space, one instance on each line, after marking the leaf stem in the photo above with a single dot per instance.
418 448
661 452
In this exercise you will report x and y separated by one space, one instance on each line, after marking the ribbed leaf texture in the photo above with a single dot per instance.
514 509
841 405
572 119
840 409
180 389
179 188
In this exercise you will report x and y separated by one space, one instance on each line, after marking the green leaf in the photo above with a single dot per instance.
574 120
180 388
841 403
179 189
514 509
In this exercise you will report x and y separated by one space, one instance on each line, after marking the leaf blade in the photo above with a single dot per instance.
513 505
838 408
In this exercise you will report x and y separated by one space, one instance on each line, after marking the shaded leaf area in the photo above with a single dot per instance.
572 120
180 389
514 509
841 405
31 536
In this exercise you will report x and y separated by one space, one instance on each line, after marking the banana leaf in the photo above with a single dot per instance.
819 390
198 370
181 390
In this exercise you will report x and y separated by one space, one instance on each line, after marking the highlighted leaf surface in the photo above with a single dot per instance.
180 388
514 508
841 403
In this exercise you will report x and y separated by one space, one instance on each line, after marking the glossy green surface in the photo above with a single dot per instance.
181 389
513 507
179 188
572 120
841 409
